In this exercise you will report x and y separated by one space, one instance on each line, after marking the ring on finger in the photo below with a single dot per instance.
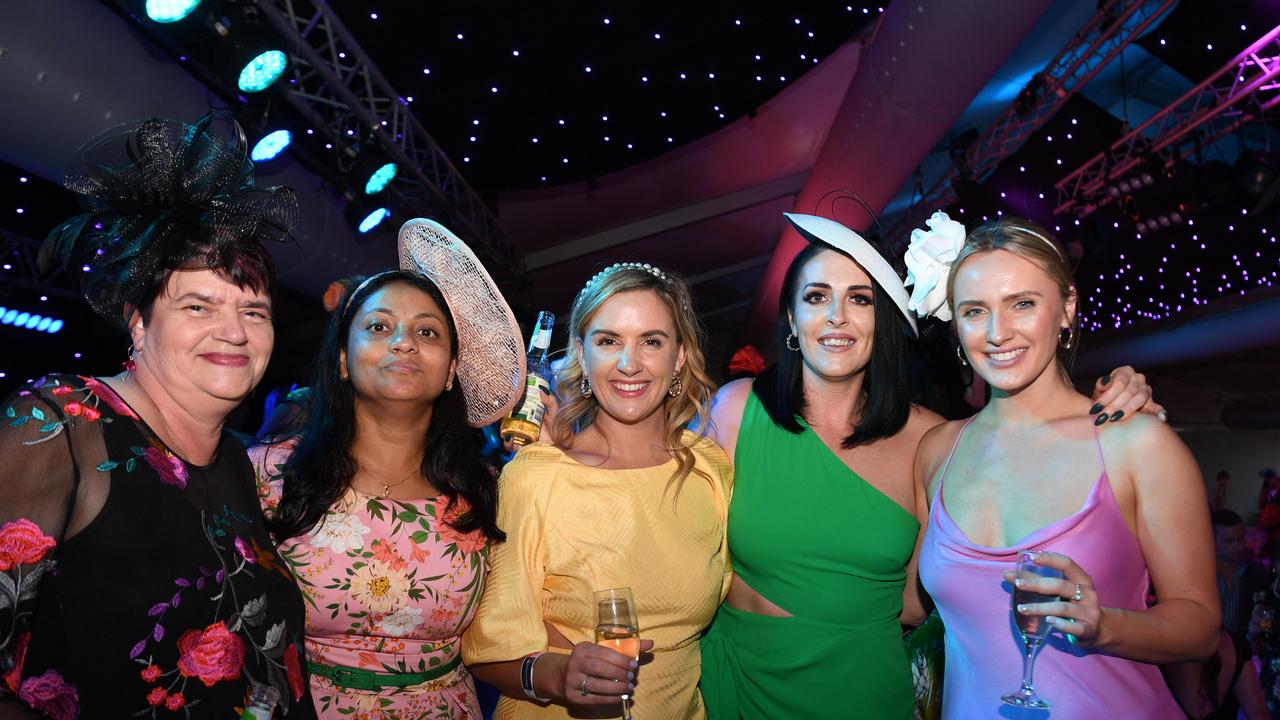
583 688
1078 595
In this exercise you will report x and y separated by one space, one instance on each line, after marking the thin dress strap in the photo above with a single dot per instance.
952 454
1097 439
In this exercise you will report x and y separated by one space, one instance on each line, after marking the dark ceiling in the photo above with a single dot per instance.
514 90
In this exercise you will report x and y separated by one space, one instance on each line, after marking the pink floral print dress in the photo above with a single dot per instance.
390 586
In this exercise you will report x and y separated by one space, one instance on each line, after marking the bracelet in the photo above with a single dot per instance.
526 677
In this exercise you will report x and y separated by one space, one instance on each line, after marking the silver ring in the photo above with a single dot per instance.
583 688
1078 595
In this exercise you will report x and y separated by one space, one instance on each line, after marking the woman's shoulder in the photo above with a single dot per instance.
707 451
268 458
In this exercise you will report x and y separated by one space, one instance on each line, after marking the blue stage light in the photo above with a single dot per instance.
261 71
373 219
270 146
380 179
170 11
29 321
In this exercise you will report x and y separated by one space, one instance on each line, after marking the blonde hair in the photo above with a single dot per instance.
577 413
1030 242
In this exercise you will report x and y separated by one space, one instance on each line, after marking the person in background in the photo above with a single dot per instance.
1224 687
1218 495
1269 491
382 504
625 496
137 577
1243 585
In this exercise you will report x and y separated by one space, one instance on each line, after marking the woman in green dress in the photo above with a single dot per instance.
825 516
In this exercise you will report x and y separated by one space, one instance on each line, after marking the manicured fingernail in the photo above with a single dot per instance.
630 676
1116 418
1097 408
1022 608
1106 379
1164 416
1052 620
633 664
1020 582
1100 419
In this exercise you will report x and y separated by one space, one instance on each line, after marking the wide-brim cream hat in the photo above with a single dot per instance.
829 232
491 363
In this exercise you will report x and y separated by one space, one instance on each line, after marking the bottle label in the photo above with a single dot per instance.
541 338
531 407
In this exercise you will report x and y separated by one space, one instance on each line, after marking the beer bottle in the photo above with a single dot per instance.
523 424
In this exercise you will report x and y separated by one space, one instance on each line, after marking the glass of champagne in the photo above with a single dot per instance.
618 629
1033 628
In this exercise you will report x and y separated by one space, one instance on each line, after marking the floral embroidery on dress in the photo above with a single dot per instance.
24 545
240 624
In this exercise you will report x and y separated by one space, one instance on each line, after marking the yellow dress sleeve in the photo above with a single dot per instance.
508 624
712 459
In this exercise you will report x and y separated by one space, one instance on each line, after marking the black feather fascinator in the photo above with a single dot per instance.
161 194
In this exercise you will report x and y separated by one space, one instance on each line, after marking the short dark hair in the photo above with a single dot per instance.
245 264
886 390
1226 518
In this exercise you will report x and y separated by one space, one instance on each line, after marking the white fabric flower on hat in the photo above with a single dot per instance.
929 258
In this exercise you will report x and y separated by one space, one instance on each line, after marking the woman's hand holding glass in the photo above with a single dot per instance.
594 675
1077 612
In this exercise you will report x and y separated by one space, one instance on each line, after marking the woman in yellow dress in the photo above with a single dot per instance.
625 496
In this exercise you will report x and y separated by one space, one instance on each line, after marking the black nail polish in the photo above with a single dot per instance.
1117 416
1100 419
1106 379
1097 408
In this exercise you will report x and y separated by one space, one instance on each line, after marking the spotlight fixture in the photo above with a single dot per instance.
271 145
14 317
170 11
374 169
365 214
249 51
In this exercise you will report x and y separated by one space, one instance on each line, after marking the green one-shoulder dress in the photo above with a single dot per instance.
821 543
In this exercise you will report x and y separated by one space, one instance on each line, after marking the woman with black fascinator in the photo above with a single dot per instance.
137 577
382 503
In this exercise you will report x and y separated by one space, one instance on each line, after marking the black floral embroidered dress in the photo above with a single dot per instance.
132 584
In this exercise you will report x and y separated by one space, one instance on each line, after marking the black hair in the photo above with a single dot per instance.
1226 518
245 264
319 471
886 391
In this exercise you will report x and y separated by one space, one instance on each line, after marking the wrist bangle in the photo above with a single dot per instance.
526 677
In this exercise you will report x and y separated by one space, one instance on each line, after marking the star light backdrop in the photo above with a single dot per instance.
530 96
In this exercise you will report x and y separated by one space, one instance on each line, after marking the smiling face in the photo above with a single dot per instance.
1009 313
204 337
398 347
833 316
629 351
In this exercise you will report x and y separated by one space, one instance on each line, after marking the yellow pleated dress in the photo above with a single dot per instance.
574 529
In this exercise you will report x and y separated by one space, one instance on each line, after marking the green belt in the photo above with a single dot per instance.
361 679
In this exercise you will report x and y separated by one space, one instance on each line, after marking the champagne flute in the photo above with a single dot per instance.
1033 628
618 629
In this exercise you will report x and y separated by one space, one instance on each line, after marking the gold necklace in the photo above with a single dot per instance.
386 486
164 424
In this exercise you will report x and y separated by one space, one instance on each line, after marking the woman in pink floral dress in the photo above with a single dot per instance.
382 505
